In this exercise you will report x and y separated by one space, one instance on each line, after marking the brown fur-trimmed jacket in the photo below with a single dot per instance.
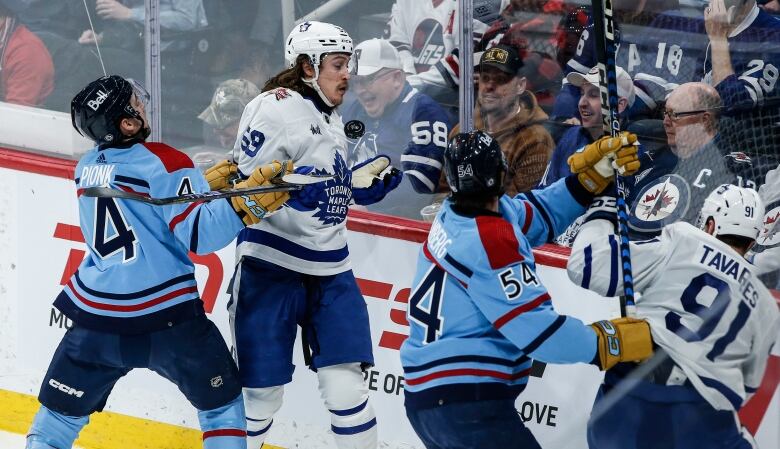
525 142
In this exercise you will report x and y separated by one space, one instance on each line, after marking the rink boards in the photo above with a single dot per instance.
41 244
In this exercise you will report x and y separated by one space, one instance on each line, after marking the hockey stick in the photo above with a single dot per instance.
604 31
293 181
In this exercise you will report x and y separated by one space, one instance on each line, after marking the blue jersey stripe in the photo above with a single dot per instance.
613 266
194 236
467 358
293 249
130 180
733 397
545 334
136 295
546 217
353 429
350 411
588 254
458 266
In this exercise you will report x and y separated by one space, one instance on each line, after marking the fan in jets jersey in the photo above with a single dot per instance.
707 310
293 268
658 55
743 64
478 312
421 30
134 299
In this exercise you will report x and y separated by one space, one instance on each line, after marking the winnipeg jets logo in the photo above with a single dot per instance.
663 201
770 231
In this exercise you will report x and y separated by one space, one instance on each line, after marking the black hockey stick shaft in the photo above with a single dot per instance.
606 47
108 192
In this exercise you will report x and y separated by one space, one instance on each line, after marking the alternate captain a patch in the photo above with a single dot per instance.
664 201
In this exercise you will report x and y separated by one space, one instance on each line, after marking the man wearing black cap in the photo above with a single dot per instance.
512 116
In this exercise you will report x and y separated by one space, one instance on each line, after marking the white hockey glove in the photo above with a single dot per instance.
373 179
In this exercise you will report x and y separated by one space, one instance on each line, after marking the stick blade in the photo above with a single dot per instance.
301 179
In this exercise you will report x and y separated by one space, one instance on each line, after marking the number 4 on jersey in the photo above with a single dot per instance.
426 301
112 233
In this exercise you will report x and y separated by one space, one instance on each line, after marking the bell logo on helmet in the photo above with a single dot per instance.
101 97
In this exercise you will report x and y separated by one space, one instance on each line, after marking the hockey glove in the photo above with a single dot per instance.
308 198
596 163
622 340
373 179
221 175
252 208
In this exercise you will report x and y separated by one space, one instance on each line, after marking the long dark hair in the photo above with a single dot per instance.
291 78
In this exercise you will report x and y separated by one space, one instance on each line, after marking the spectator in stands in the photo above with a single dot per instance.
591 127
227 105
175 15
689 168
509 112
400 122
26 68
421 30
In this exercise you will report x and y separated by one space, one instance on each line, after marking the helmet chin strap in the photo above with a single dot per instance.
316 86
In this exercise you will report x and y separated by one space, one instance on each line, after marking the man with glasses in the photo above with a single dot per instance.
511 114
680 175
400 122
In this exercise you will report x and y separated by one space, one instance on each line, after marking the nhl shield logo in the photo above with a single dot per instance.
769 231
665 200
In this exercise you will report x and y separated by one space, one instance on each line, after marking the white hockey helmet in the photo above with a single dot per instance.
735 210
316 39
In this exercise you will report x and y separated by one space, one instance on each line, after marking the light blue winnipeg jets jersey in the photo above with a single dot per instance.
478 312
705 304
137 275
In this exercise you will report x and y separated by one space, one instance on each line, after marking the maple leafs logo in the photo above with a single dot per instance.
333 201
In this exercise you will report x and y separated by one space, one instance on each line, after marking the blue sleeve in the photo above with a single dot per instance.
201 227
423 159
543 214
566 102
513 299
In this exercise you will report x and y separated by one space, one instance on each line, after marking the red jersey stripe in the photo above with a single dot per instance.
182 216
467 372
134 307
514 313
224 433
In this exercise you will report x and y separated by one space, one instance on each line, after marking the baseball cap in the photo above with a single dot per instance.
503 57
375 54
625 85
228 102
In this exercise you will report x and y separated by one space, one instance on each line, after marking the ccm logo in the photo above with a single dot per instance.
66 389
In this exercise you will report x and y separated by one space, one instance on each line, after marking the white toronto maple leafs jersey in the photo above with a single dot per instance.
422 33
282 124
706 307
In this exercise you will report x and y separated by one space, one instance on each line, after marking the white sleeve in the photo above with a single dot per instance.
755 366
766 261
262 137
595 263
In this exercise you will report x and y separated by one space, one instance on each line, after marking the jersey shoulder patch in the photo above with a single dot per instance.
171 158
499 240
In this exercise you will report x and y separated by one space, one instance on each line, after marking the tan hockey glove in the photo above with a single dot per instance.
596 163
622 340
221 175
252 208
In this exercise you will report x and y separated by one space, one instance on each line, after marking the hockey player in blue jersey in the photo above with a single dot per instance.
478 312
134 301
708 311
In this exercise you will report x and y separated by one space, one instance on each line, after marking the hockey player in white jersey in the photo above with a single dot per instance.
707 309
295 270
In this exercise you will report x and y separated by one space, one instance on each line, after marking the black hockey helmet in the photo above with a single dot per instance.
98 108
475 165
